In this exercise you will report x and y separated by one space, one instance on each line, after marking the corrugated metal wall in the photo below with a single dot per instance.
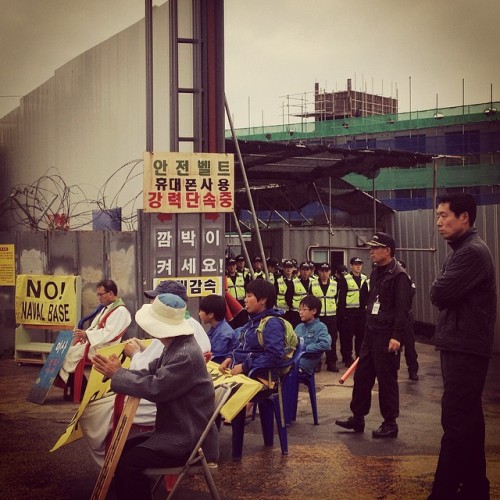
416 231
94 255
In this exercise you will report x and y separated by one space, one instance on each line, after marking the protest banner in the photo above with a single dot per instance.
97 387
244 389
50 369
115 449
51 301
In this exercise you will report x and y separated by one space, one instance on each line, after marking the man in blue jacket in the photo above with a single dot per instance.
251 353
465 294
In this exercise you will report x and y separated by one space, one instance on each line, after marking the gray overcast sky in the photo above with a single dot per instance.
276 48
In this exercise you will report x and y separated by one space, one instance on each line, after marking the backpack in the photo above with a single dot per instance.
291 339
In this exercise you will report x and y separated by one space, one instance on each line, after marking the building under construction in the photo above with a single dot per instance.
350 104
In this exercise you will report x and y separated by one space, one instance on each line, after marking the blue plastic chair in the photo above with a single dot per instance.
271 403
310 383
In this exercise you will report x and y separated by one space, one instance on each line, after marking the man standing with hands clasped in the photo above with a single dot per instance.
465 294
387 316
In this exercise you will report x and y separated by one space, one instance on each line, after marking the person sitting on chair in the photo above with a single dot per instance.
222 337
107 328
316 337
97 419
251 353
180 385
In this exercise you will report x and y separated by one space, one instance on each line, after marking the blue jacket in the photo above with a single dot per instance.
250 353
316 341
223 340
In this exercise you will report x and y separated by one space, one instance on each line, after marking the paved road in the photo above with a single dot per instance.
323 462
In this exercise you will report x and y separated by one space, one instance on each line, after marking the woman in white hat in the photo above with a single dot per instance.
178 382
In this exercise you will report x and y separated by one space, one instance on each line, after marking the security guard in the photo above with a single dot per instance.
387 318
325 289
242 269
258 271
284 283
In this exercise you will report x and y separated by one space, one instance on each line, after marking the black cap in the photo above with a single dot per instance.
305 265
240 257
257 259
294 262
168 286
287 263
324 267
356 260
230 262
382 240
272 262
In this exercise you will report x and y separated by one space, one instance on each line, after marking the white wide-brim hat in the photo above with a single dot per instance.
164 317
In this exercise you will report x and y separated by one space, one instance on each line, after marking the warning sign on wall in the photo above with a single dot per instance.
188 182
7 265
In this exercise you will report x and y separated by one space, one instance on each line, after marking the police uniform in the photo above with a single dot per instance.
327 293
353 293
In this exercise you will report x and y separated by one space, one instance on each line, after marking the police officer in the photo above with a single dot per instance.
284 289
353 294
301 288
242 269
258 268
387 318
235 281
325 289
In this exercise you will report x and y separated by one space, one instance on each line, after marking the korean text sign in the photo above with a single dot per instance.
188 182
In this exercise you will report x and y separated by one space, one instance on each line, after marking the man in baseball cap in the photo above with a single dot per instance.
387 318
383 240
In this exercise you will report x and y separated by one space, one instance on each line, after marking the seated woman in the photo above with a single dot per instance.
180 385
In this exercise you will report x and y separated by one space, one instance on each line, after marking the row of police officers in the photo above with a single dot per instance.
343 297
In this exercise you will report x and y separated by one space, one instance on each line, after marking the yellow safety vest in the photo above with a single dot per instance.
328 304
236 289
280 296
352 300
299 292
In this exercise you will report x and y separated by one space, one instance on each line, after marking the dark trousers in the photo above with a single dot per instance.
293 317
129 482
462 463
375 362
331 324
410 351
353 328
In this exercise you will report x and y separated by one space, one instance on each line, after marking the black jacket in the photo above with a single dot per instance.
391 287
465 294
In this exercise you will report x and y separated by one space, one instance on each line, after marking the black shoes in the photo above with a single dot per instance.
332 367
352 423
386 430
412 375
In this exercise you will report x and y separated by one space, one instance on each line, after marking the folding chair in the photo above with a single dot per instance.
271 404
222 394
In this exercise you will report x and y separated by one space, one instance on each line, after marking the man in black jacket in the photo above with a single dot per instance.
387 316
465 294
